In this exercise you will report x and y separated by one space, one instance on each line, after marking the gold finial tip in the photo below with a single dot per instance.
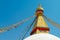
40 7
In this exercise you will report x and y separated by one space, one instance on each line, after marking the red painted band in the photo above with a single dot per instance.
39 11
40 28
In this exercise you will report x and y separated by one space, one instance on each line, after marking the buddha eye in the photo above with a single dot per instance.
40 30
44 31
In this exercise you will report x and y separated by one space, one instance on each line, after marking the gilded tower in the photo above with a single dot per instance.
40 25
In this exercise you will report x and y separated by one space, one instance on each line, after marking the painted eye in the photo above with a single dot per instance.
40 31
44 31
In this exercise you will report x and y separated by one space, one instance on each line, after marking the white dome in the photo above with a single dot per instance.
42 36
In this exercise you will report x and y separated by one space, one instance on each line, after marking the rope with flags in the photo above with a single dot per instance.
15 25
27 29
52 22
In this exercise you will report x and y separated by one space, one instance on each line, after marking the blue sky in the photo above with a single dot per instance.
12 11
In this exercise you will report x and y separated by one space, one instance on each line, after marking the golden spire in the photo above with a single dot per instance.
39 10
40 7
40 24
